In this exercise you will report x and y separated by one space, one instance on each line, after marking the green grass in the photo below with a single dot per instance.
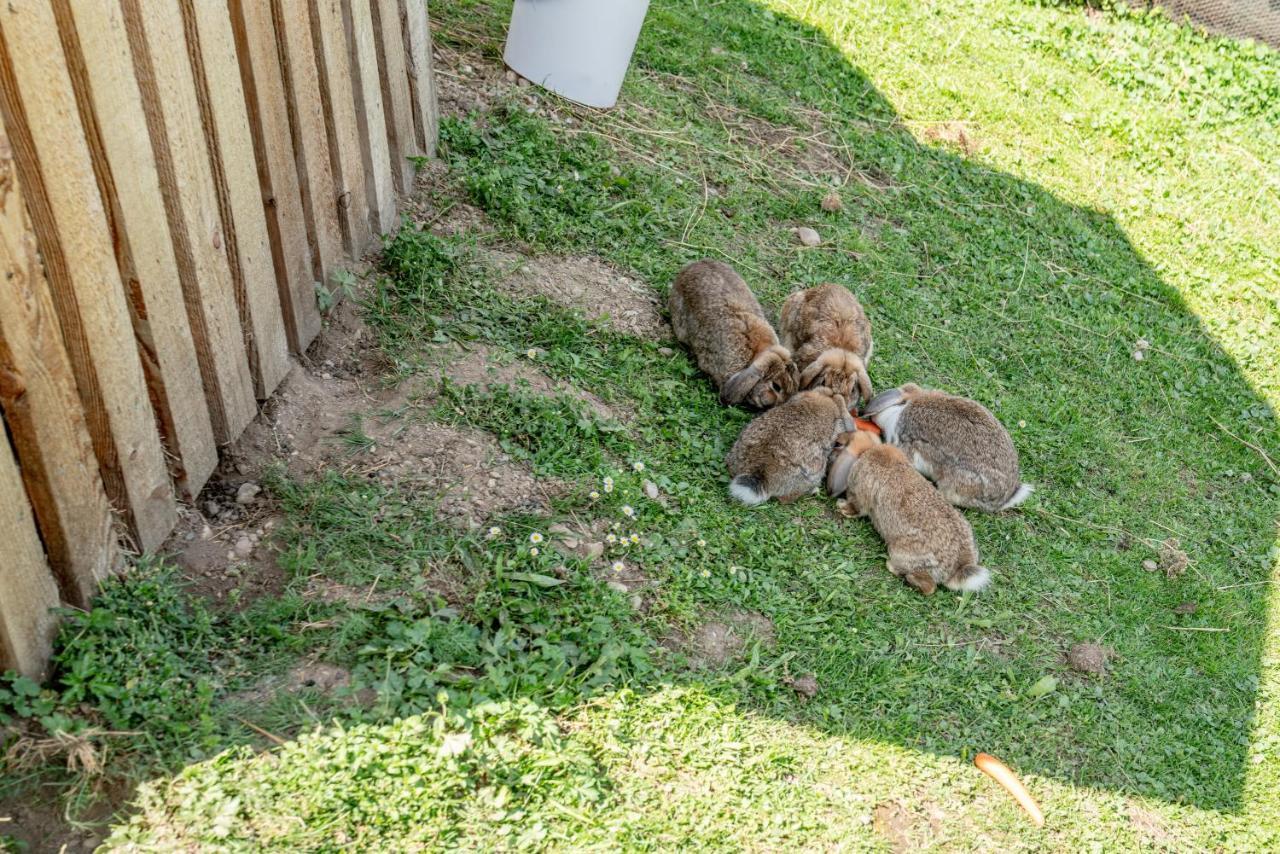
1118 186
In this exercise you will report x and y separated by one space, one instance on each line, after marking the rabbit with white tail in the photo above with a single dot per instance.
955 442
929 542
783 453
714 313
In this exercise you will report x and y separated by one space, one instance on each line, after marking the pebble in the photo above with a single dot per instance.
618 587
666 351
832 202
637 602
212 508
269 524
522 83
571 542
1150 565
247 493
244 547
189 536
511 76
206 533
651 490
594 550
807 236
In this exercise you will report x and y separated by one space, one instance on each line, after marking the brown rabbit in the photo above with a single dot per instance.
929 542
830 339
715 314
783 452
955 442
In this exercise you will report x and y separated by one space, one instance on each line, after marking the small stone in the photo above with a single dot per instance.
243 468
832 202
1150 565
637 602
572 542
1088 658
666 351
212 508
593 550
511 76
651 490
467 69
522 83
188 536
560 529
807 236
1138 355
618 587
717 50
206 533
244 547
492 482
231 555
247 493
269 524
806 686
326 376
1185 608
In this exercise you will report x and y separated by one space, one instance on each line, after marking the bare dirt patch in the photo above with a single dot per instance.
1089 658
1153 828
716 643
484 367
953 133
592 287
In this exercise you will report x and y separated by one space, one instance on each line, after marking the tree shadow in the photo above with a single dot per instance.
988 285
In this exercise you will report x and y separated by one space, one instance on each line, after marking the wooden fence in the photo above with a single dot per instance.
176 176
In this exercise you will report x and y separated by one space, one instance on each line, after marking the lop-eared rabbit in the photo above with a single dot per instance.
955 442
929 542
783 453
716 316
829 337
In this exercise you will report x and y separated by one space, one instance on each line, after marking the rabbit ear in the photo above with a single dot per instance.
864 382
811 373
883 401
738 386
838 474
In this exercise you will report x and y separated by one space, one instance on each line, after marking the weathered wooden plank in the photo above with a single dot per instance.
310 138
222 101
260 73
422 81
338 99
70 223
97 50
27 624
42 407
370 114
394 75
157 36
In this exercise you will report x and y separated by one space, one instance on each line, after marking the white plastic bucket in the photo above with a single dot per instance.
579 49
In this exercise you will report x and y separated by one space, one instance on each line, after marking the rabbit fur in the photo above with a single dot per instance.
716 316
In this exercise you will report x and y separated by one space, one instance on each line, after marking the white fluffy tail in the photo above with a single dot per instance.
971 578
748 489
1022 494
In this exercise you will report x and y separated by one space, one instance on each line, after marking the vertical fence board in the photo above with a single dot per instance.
97 50
222 98
422 82
39 399
277 172
394 75
54 165
310 139
338 101
26 623
186 180
370 114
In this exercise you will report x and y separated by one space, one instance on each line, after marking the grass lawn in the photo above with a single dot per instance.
1033 197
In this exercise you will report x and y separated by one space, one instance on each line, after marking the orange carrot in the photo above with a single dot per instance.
998 771
866 424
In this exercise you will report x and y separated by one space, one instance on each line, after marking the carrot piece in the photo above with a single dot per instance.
866 424
998 771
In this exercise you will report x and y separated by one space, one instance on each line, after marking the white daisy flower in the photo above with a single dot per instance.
635 539
628 511
535 551
594 495
637 466
618 566
702 544
535 538
531 353
706 573
495 531
611 539
608 484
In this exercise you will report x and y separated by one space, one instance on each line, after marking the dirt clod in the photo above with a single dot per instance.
247 493
1173 560
806 686
1089 657
807 236
1185 608
954 134
832 202
1150 565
